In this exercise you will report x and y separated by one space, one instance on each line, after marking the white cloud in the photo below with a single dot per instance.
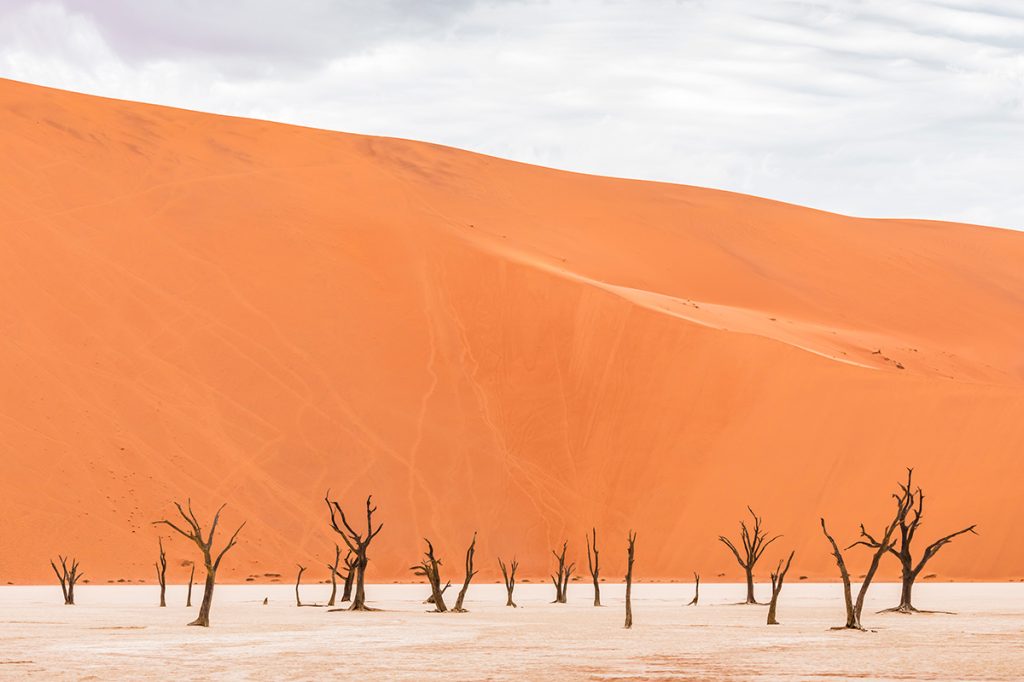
871 107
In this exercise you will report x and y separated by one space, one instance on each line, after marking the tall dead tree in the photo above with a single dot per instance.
358 542
912 500
298 580
458 608
509 574
194 532
754 541
629 579
429 568
562 575
191 579
595 567
161 573
696 589
68 577
778 575
854 609
333 568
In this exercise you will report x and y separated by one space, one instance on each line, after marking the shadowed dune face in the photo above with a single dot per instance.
249 312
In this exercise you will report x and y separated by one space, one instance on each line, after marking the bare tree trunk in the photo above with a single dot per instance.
696 590
754 541
595 568
562 575
203 619
430 599
350 574
777 577
469 576
161 574
509 574
191 579
629 579
334 575
298 579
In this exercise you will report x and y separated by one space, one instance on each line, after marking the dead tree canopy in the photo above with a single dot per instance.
562 575
68 575
911 500
594 565
161 573
754 540
630 551
458 608
778 575
696 589
193 530
429 568
358 543
509 574
854 608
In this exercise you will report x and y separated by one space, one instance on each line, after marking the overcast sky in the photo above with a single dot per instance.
868 107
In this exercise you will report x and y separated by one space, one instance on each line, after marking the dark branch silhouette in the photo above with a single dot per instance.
358 543
778 575
194 533
754 542
854 609
562 576
912 501
161 573
429 568
593 564
629 579
696 589
333 568
458 608
191 579
509 574
68 577
298 580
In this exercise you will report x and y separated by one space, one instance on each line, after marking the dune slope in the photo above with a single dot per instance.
246 312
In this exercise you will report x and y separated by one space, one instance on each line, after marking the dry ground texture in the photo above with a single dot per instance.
119 633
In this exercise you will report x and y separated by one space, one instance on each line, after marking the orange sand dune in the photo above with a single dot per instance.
241 311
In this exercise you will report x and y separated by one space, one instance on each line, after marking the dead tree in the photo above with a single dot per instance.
68 577
350 574
562 576
854 609
595 567
191 579
429 568
161 573
298 579
696 589
912 500
194 533
778 575
333 568
358 542
469 576
509 574
629 579
754 542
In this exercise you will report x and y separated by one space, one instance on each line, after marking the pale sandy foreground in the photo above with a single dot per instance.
117 633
